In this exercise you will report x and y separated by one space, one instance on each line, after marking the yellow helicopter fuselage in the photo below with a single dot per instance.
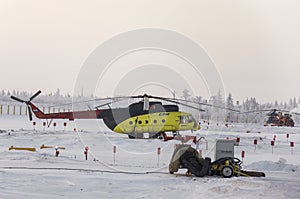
158 122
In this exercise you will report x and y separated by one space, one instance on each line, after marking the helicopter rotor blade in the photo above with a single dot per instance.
145 96
108 103
29 113
220 107
176 102
35 95
205 104
96 107
255 111
84 101
182 102
264 110
17 99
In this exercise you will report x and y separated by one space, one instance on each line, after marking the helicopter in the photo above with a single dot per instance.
141 117
279 118
276 117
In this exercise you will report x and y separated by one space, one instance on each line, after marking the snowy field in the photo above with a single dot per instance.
135 170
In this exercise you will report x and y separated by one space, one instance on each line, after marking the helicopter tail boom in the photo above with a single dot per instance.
90 114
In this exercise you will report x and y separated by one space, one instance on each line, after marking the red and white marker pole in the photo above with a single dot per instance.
44 125
56 151
33 123
243 155
115 151
292 146
255 143
86 149
272 144
238 141
158 153
287 137
65 124
54 125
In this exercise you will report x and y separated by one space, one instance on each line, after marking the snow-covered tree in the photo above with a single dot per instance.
295 103
276 103
229 104
229 101
186 94
57 93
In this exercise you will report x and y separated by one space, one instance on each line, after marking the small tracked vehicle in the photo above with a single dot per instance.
186 157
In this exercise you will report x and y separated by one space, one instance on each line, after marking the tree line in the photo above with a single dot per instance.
211 112
255 111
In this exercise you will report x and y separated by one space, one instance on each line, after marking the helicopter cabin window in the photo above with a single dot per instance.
140 121
163 120
130 122
154 121
146 121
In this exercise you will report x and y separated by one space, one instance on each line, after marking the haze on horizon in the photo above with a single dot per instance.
254 44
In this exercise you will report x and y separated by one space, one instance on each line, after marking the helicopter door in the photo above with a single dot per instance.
183 122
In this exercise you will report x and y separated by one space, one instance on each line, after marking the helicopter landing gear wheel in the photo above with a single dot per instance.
188 173
175 133
131 137
227 171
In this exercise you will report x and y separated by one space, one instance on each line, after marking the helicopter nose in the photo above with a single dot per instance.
196 126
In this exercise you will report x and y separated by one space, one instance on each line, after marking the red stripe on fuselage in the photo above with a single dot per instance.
90 114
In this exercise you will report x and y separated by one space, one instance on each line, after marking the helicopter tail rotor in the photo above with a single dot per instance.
27 102
17 99
29 113
35 95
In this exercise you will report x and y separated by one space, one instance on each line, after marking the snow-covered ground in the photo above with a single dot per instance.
136 171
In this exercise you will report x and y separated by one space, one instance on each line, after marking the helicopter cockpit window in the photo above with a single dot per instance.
186 119
182 119
190 118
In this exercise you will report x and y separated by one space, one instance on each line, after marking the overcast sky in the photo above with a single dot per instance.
255 44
